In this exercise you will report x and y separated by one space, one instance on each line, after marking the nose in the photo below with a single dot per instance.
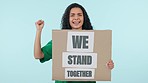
76 17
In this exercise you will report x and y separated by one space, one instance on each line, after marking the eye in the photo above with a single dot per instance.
71 15
79 14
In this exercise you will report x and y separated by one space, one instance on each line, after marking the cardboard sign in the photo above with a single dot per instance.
81 55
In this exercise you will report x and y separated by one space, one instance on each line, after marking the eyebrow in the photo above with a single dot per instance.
74 13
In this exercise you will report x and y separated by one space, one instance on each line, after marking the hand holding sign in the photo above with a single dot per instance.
110 64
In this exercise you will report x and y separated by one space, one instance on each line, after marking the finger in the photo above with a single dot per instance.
110 60
110 66
40 22
110 63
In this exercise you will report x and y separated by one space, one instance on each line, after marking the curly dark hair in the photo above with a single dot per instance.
65 19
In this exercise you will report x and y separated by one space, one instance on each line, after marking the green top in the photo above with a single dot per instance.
47 50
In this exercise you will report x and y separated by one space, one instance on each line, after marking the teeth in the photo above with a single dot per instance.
76 23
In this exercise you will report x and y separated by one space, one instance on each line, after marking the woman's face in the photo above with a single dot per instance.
76 18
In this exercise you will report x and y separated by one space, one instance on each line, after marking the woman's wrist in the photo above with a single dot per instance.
38 30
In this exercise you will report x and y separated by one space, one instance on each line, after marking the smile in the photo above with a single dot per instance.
76 22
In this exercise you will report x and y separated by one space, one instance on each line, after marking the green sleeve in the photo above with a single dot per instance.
47 51
57 81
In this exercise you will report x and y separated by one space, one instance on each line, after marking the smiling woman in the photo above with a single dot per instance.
75 18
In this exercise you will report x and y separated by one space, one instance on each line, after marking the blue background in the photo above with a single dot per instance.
128 19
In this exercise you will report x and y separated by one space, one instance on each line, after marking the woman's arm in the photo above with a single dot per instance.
38 54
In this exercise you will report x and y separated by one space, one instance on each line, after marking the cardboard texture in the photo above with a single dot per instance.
102 46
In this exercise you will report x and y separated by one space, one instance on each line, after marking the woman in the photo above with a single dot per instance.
75 18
